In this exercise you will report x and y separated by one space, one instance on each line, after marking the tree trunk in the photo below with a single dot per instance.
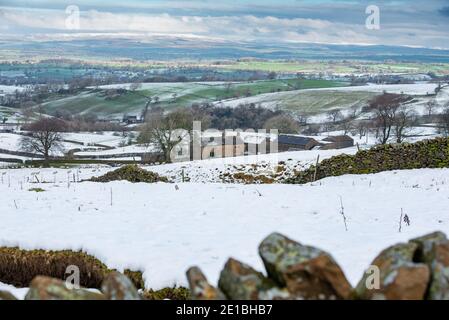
46 160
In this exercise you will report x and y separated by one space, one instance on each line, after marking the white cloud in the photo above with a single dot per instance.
235 28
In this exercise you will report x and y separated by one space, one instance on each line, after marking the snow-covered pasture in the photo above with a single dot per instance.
162 230
109 139
10 89
11 142
203 171
82 141
317 102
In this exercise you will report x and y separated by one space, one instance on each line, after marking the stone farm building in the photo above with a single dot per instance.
219 144
337 142
295 143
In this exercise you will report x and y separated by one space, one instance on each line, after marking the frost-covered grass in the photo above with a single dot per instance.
163 229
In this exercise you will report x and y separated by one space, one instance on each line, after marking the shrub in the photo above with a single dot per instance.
175 293
18 267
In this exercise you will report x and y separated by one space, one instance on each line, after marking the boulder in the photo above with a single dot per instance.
305 271
400 277
433 249
425 244
239 281
45 288
200 289
117 286
5 295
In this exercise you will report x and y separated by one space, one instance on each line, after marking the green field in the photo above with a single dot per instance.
307 102
172 95
342 67
312 102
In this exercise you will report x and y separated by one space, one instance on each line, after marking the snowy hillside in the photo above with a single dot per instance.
163 230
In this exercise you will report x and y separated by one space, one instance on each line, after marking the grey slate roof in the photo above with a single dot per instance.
294 140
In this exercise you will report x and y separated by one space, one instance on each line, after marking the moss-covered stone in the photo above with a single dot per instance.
131 173
46 288
199 286
433 249
423 154
239 281
401 277
307 272
117 286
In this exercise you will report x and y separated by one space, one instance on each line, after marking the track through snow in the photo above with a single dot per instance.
163 230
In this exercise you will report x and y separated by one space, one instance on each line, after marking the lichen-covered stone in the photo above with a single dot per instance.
45 288
400 278
5 295
117 286
239 281
425 244
305 271
433 249
199 287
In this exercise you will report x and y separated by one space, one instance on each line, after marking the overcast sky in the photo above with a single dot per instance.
408 23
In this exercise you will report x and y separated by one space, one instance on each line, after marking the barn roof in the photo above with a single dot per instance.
294 140
338 138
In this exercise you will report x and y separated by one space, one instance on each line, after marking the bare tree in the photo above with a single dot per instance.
302 119
43 136
283 123
443 121
385 108
334 115
163 130
144 113
346 125
430 106
402 122
361 128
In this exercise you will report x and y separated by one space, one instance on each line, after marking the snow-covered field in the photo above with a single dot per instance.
11 141
163 230
118 151
276 98
105 138
10 89
203 171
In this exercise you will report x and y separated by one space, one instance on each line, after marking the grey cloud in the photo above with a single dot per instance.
444 11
